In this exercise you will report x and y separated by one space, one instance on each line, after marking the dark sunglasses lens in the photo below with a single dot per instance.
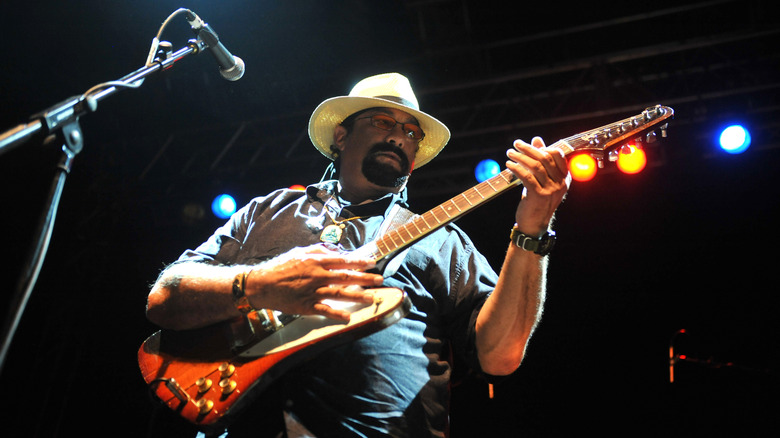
414 131
387 123
383 122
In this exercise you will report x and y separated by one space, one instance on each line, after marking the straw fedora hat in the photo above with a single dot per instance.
389 90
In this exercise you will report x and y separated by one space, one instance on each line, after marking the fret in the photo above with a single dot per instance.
426 222
390 236
451 204
419 222
506 177
403 228
563 146
381 241
433 213
377 255
466 198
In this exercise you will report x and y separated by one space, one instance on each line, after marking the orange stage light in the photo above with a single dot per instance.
583 167
631 159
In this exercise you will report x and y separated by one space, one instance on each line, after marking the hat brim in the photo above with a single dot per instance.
332 112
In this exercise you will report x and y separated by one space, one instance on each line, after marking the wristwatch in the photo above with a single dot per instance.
538 245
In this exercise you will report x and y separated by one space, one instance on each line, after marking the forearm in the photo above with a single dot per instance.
510 315
191 295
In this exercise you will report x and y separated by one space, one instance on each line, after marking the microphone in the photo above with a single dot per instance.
230 67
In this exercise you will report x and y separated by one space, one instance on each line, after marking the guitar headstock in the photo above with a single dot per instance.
606 140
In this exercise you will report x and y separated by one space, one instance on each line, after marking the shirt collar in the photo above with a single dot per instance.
322 191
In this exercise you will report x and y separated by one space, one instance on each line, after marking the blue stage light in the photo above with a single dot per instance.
486 169
223 206
735 139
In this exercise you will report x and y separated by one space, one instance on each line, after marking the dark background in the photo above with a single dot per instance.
689 243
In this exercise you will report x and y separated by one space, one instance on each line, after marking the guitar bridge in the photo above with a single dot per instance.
176 390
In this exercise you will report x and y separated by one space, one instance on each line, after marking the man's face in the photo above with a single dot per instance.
383 157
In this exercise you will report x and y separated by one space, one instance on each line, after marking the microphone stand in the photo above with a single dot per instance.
61 123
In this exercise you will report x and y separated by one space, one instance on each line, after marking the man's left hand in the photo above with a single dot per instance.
545 176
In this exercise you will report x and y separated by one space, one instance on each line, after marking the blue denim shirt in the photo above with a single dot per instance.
391 383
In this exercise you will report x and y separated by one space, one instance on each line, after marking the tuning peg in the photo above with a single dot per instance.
650 137
598 139
663 129
652 112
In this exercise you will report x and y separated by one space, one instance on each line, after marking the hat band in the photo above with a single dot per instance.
400 100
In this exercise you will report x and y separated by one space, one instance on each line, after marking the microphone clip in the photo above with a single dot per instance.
230 67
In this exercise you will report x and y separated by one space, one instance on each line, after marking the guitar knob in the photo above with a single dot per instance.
203 384
204 406
227 385
226 369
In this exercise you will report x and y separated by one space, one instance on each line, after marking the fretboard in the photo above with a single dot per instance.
419 226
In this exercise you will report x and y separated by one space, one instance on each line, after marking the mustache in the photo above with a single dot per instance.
389 147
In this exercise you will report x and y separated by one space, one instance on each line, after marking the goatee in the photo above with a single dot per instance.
383 174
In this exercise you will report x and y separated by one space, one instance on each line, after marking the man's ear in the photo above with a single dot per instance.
339 134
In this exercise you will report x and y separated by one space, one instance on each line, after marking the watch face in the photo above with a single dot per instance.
547 243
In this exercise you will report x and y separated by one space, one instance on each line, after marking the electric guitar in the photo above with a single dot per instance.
208 375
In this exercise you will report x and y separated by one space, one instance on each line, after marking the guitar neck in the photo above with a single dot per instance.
401 237
597 142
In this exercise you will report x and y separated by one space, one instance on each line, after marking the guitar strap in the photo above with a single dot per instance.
397 216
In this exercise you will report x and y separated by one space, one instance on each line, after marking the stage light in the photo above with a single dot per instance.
297 187
631 159
223 206
582 167
486 169
734 139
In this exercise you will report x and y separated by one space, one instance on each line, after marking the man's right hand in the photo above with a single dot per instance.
298 282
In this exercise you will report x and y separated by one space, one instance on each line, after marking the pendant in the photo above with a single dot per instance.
332 233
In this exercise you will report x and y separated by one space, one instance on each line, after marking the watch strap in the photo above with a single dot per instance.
538 245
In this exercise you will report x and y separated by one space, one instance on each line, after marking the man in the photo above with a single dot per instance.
289 249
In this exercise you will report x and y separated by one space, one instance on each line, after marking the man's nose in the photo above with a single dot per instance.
397 136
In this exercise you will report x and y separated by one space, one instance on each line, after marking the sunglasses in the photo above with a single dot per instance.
387 123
